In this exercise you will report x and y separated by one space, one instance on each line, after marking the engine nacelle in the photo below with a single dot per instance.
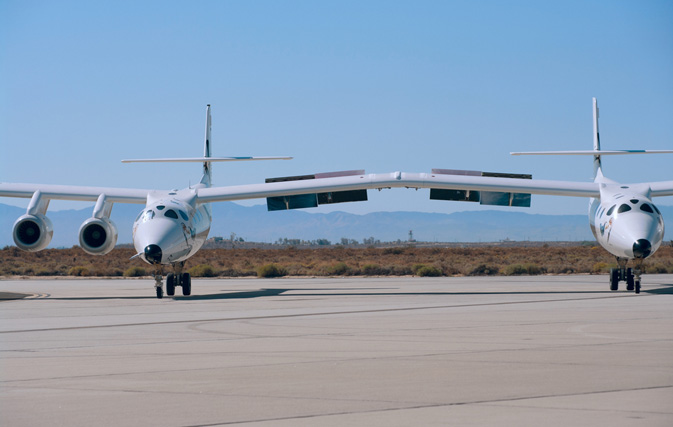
32 233
97 236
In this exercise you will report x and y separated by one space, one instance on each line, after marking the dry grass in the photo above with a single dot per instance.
335 261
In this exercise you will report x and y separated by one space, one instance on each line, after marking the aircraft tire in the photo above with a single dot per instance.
614 279
637 286
186 284
170 284
629 279
160 292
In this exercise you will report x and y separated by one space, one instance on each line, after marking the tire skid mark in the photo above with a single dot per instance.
325 313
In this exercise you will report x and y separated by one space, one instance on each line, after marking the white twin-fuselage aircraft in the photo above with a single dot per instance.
174 224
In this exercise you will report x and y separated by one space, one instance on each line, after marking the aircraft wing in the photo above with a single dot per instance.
662 188
74 192
398 180
332 184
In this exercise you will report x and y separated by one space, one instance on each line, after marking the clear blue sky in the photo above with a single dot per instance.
373 85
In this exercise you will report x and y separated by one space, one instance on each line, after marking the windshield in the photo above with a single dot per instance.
624 208
148 215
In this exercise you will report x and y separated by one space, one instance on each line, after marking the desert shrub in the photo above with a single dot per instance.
416 267
229 272
449 270
393 251
202 270
398 270
564 270
134 272
656 269
102 271
515 270
247 273
599 267
296 269
518 270
534 269
78 271
372 270
484 270
338 269
271 270
428 271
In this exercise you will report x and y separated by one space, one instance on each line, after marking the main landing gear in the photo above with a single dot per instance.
178 278
628 275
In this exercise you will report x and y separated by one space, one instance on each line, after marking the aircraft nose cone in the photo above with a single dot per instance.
642 248
153 254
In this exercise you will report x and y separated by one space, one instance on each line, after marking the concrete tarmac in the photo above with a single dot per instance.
543 350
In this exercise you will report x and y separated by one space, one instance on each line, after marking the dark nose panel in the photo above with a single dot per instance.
642 248
153 254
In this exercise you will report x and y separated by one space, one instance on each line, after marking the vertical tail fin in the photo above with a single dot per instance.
598 168
207 174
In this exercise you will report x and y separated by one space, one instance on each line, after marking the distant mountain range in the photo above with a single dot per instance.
256 224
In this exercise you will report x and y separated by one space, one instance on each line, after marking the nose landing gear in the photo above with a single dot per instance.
158 282
177 278
628 275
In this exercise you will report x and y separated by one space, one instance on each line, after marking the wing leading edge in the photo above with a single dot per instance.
74 192
332 184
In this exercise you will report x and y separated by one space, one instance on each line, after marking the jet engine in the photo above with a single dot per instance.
97 236
32 232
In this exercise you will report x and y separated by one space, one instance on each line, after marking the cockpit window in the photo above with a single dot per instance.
647 208
161 207
149 214
612 209
139 215
657 210
171 214
183 215
624 208
634 201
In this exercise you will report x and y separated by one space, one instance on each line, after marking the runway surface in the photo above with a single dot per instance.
544 350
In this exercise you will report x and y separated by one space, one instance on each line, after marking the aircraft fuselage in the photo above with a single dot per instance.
625 221
171 228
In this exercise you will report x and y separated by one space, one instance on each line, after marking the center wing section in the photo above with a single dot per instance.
318 185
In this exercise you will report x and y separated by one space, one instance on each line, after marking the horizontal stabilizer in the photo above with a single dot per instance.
493 198
589 152
204 159
314 199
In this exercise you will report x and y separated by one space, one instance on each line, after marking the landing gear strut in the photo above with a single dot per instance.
177 278
628 275
636 273
158 285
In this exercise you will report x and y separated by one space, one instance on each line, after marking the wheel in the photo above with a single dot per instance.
170 284
160 292
637 286
186 284
629 280
614 279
